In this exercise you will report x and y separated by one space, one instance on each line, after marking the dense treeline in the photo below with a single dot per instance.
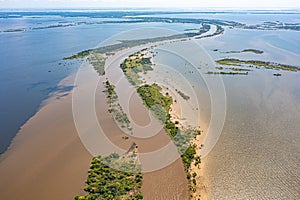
107 183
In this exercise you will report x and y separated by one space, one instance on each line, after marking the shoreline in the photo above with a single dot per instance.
54 120
180 110
175 114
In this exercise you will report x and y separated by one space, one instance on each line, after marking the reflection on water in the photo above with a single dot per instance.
258 154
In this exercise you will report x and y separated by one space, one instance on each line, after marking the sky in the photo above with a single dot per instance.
187 4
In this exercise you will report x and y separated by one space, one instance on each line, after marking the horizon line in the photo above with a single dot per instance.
199 9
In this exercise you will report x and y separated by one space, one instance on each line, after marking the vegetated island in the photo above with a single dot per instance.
98 56
115 108
251 63
114 177
256 51
160 106
122 44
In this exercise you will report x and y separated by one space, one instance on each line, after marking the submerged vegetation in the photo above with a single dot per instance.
96 59
251 63
98 62
79 55
113 177
256 51
240 69
184 96
228 73
115 108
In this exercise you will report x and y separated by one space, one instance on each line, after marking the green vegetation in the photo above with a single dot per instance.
228 73
115 108
109 178
131 43
220 30
160 106
278 74
111 94
184 96
240 69
122 44
253 51
183 138
156 101
136 63
153 98
251 63
96 59
98 62
256 51
188 157
79 55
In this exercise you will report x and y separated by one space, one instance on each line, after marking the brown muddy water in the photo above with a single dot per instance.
169 181
164 175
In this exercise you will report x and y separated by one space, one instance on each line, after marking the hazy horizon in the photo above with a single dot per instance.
154 4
